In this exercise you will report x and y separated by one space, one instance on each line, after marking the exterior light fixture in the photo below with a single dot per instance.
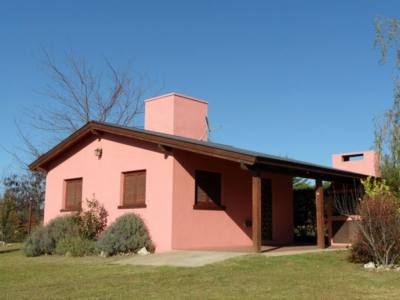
248 223
98 152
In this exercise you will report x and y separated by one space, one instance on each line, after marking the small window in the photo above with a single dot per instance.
208 190
73 194
134 189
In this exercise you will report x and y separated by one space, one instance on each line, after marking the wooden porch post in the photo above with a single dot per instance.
256 219
319 207
329 218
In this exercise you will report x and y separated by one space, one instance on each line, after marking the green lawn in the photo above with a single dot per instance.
308 276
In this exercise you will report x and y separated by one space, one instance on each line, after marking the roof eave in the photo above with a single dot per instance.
98 128
92 127
37 165
310 169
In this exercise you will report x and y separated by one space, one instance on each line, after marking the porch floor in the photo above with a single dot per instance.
296 249
269 250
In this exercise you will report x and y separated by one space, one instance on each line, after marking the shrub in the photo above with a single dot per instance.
44 239
359 251
75 230
379 229
374 187
64 227
127 234
38 243
93 220
75 246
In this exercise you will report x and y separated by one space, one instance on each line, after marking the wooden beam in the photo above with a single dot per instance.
256 209
319 207
245 166
329 217
96 133
165 149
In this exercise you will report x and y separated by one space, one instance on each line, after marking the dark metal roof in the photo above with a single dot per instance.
270 162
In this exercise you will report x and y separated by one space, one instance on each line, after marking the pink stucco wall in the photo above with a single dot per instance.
193 228
177 114
102 178
170 193
368 164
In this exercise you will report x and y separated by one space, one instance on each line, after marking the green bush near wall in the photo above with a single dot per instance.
127 234
44 239
76 246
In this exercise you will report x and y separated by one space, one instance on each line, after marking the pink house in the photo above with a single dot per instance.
192 193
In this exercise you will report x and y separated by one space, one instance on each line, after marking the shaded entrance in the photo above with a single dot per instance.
304 214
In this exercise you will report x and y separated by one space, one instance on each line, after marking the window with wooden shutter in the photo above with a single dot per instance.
134 189
73 194
208 190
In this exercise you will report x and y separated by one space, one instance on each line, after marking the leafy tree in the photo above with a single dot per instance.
27 192
387 128
387 143
387 38
11 228
300 183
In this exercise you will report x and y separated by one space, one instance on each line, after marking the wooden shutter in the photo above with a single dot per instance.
208 189
134 189
73 194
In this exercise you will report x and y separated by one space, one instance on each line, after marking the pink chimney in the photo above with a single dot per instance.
366 162
178 115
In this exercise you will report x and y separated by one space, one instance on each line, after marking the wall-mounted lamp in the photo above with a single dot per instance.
248 223
98 152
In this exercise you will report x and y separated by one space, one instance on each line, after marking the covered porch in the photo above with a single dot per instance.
327 220
255 211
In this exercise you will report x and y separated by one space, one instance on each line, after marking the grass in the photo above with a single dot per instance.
308 276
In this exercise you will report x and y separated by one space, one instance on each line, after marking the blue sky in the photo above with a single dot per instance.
293 78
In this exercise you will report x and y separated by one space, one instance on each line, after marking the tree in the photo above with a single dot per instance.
300 183
387 128
10 223
387 38
379 223
27 192
76 94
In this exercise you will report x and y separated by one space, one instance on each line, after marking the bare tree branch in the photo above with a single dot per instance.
77 94
387 37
